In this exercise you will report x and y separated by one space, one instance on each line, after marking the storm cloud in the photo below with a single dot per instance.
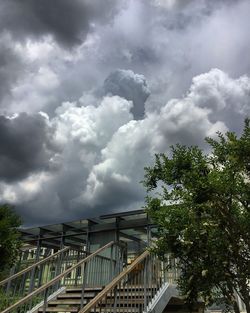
91 90
67 21
26 146
11 65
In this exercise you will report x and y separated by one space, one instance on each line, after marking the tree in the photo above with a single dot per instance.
9 238
203 215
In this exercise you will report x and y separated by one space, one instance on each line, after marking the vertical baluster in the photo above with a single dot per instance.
76 271
137 294
12 271
16 286
46 274
115 299
37 257
118 302
22 285
98 271
141 290
127 289
134 298
45 299
111 263
130 290
103 276
40 273
145 284
93 265
90 272
121 292
84 281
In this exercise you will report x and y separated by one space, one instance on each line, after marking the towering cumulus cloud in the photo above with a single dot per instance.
131 86
91 90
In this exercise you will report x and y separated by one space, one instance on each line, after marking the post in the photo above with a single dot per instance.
84 280
12 271
32 276
145 278
45 300
111 264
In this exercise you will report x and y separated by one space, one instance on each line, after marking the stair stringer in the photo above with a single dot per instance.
51 297
161 299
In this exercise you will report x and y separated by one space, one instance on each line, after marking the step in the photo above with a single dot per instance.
126 302
87 289
130 294
75 295
140 288
65 302
60 309
119 310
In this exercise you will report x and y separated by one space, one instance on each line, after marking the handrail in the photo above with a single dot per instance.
32 266
56 279
114 283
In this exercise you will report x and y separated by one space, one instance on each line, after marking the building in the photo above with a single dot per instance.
92 265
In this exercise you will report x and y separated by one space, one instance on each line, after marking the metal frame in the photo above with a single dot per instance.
76 233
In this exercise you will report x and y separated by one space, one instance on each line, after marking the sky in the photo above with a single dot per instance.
90 90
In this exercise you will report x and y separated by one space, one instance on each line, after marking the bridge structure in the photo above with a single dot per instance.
100 264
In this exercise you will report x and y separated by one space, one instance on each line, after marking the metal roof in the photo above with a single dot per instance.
132 225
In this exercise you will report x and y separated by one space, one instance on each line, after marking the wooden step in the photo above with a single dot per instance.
119 310
75 295
79 289
69 296
133 309
66 302
125 302
60 309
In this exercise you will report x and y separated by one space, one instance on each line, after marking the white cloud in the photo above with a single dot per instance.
90 125
35 91
25 189
104 150
217 91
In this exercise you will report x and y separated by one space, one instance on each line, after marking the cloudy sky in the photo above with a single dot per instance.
90 90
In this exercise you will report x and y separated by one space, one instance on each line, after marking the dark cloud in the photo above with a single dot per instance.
11 65
67 21
26 146
131 86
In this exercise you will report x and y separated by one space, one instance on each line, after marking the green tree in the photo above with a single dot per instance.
201 203
9 238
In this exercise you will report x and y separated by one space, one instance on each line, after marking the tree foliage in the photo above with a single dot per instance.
9 238
203 216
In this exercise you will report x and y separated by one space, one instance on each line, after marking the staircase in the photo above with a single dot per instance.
101 285
125 300
62 293
70 300
134 290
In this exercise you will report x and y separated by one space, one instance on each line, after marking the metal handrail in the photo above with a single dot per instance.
10 278
56 279
114 283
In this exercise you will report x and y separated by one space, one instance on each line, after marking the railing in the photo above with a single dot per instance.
133 289
24 282
30 257
172 271
85 273
24 271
